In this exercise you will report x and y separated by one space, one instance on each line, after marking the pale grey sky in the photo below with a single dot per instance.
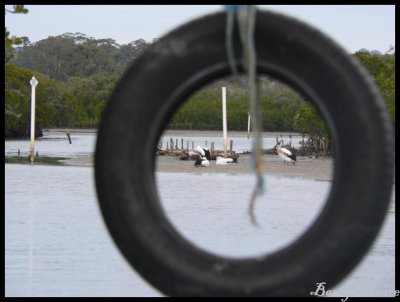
352 26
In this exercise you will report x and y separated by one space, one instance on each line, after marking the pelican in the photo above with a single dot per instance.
223 161
203 160
285 154
204 152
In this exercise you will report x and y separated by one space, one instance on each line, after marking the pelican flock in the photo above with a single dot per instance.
285 154
204 156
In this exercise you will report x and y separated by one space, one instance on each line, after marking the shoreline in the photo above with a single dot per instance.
71 130
320 169
309 168
184 133
219 133
305 167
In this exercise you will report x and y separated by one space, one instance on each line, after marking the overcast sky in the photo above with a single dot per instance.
353 26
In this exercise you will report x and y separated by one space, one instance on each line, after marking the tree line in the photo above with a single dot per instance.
77 55
77 74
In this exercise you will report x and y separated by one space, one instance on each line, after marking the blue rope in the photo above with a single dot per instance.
234 8
245 15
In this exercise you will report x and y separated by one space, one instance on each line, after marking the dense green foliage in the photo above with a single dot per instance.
382 69
12 40
77 103
77 74
77 55
17 100
203 110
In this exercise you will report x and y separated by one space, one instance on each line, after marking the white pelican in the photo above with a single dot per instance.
204 152
285 154
204 157
223 161
201 162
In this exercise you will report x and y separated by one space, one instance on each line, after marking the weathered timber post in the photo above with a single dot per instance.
248 126
68 135
224 123
33 83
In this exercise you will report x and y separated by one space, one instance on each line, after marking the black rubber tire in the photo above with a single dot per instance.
182 62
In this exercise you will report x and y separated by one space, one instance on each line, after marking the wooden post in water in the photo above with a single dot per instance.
192 145
231 147
187 146
248 125
224 126
33 83
68 135
176 144
171 144
181 143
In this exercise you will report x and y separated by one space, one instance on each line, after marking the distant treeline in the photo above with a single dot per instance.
77 56
77 74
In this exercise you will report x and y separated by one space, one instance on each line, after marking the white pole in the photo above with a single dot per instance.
248 126
33 83
224 118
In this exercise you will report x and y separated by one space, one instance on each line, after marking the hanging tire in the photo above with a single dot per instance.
163 78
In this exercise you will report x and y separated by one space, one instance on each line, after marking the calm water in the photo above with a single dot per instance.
240 143
56 243
57 144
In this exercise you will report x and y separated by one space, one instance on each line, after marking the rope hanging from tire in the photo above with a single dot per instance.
296 54
246 15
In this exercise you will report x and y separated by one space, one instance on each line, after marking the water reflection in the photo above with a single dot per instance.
211 210
56 243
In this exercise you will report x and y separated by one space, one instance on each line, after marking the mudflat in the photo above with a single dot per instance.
313 168
305 167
